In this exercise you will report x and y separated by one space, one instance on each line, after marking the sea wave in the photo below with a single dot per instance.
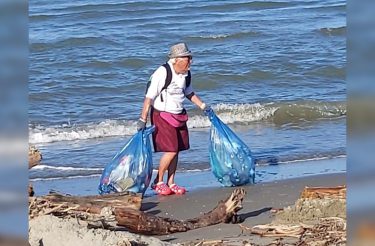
44 172
65 168
69 43
107 128
235 35
333 31
278 112
252 5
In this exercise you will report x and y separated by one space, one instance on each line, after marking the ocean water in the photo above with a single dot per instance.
274 71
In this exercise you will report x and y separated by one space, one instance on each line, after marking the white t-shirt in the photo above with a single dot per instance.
173 96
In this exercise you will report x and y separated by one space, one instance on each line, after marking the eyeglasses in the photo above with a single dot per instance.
189 57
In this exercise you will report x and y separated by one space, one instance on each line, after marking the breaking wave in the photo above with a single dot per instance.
278 112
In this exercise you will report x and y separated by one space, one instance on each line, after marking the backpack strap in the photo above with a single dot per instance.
167 82
168 79
188 79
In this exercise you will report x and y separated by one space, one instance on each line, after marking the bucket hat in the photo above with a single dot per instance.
179 50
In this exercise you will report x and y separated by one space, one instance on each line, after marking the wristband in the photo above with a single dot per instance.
143 120
203 106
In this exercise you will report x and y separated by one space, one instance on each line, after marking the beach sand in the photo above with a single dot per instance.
259 200
257 204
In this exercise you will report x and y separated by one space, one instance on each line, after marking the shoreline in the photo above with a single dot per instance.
196 180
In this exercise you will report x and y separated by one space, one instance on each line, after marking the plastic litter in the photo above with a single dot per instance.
230 158
131 168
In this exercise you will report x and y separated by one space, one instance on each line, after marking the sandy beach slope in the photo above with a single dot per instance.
257 204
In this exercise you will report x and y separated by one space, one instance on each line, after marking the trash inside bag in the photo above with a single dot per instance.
131 168
230 158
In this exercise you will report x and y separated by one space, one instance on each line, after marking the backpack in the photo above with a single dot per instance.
168 80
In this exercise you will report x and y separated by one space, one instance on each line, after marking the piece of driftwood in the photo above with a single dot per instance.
61 205
328 231
270 230
116 211
324 192
140 222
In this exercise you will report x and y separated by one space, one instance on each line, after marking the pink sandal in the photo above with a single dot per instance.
162 189
178 190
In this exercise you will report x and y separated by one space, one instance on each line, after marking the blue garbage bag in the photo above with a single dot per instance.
230 158
131 168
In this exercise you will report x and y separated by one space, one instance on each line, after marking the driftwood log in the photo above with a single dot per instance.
64 205
324 192
328 231
122 210
139 222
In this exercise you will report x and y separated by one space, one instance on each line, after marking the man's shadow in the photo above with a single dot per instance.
148 206
243 217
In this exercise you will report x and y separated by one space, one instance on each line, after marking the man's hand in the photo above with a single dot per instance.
207 110
141 124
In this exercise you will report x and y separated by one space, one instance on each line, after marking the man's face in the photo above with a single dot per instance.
182 64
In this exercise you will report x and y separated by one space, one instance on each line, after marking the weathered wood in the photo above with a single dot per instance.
123 208
140 222
270 230
55 203
328 231
324 192
124 199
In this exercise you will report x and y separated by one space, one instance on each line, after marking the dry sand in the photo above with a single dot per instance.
49 230
257 204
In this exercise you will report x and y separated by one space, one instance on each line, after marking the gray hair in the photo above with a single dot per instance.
174 60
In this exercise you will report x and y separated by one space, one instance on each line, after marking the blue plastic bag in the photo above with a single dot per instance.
131 168
230 158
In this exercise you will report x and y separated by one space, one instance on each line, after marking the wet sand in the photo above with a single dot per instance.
259 200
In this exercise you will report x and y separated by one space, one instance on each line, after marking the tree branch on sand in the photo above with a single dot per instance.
139 222
122 210
66 205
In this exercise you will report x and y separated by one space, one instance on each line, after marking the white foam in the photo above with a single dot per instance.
62 168
228 113
106 128
69 177
216 36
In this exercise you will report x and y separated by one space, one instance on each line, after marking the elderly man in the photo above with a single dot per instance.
167 89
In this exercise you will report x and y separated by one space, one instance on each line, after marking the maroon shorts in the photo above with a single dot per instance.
167 138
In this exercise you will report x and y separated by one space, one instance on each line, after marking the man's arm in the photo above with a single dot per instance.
196 100
146 108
